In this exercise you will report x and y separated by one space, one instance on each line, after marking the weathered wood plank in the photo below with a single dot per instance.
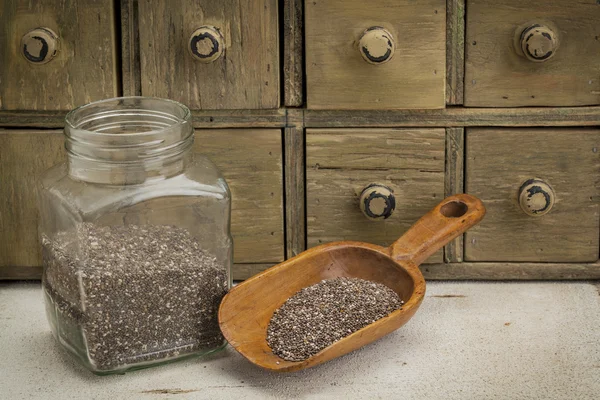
246 76
454 117
130 49
293 48
339 78
275 118
295 216
241 272
499 161
85 65
454 183
279 118
511 271
455 51
24 156
340 163
20 273
251 161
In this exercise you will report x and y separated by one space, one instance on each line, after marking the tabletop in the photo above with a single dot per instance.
469 340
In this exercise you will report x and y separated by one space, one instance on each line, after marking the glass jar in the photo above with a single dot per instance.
135 237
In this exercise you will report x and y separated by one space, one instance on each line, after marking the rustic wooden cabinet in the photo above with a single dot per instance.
334 120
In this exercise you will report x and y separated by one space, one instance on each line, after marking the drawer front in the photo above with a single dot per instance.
55 55
541 191
375 54
24 155
210 54
341 163
250 160
532 53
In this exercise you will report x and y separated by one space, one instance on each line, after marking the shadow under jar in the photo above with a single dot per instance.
135 230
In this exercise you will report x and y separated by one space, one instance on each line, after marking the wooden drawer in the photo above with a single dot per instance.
532 53
55 55
375 54
340 163
250 159
252 163
210 54
561 221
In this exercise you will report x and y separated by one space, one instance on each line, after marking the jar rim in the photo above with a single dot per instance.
70 119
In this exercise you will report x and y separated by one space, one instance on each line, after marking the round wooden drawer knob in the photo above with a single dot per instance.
536 197
206 44
39 45
539 43
377 202
376 45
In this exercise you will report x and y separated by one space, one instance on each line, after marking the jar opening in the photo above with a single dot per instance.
120 135
127 116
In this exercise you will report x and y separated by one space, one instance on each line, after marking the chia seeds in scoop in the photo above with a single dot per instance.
321 314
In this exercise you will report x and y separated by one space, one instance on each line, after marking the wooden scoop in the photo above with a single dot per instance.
246 310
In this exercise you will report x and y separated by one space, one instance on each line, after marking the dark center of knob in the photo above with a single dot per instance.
538 43
204 45
376 45
36 49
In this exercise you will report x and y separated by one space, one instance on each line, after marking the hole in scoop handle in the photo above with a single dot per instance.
449 219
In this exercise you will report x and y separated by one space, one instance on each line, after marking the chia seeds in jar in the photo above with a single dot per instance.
135 237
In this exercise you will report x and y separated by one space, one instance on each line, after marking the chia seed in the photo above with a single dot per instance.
123 295
321 314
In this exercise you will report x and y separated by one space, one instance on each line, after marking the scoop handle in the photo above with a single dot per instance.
453 216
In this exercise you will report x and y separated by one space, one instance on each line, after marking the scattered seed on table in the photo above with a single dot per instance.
326 312
134 293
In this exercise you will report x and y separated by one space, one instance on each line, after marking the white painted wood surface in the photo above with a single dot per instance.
468 341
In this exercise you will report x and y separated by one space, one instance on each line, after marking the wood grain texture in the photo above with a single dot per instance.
242 272
454 183
20 273
240 118
511 271
202 119
247 76
295 215
252 163
24 156
339 78
293 50
499 161
130 49
279 118
340 163
455 51
245 312
454 117
85 67
497 76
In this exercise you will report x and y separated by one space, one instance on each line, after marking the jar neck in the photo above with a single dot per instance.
128 140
